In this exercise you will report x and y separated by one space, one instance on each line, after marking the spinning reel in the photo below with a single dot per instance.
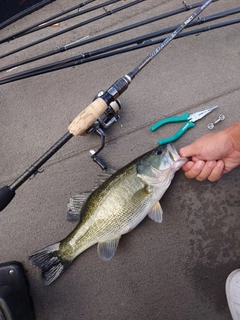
106 120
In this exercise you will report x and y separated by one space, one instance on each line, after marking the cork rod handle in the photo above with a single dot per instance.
87 117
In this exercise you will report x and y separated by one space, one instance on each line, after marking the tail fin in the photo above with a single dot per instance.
50 261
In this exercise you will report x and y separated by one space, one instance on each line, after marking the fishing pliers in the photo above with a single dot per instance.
190 124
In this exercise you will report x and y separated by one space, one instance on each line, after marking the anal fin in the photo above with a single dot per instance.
107 249
156 213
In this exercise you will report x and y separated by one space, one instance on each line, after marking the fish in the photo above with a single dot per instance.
112 209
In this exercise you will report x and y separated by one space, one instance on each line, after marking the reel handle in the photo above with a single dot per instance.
87 117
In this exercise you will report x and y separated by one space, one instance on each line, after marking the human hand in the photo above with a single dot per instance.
213 154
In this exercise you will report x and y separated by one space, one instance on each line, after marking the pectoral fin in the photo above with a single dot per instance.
107 249
156 213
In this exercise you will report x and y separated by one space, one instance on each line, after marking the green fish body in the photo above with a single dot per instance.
116 207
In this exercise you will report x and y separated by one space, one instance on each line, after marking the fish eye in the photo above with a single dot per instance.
158 151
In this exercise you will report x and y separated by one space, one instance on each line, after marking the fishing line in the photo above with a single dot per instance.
142 41
87 118
104 35
101 16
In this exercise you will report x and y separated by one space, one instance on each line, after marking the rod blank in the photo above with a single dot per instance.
101 16
140 42
105 35
43 22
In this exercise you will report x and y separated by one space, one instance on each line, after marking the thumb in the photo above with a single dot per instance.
188 151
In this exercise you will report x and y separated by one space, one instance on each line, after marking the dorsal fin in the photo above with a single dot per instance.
102 177
75 205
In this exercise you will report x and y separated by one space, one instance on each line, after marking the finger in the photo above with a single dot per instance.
206 170
187 151
217 171
187 166
195 170
195 159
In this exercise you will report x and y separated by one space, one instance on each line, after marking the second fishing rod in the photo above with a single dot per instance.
86 119
138 24
106 54
83 23
79 59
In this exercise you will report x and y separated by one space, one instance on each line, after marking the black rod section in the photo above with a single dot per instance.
102 36
33 169
100 53
43 22
101 16
7 193
124 43
71 16
147 43
133 73
156 51
24 13
150 42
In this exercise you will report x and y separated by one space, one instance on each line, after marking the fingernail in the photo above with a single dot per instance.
200 164
220 164
189 165
211 164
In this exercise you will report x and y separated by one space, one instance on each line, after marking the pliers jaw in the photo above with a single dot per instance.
200 114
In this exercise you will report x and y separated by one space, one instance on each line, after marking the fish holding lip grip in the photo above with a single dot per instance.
112 209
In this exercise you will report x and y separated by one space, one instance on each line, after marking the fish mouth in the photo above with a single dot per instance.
174 157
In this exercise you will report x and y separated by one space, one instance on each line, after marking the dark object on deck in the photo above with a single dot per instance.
12 10
15 300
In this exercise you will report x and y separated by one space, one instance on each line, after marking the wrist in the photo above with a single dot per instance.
233 132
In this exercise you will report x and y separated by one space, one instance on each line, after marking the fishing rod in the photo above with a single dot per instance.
85 121
44 22
96 55
103 15
142 41
73 15
147 43
108 34
24 13
37 26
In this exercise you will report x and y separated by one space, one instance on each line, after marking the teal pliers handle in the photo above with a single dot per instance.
174 119
178 134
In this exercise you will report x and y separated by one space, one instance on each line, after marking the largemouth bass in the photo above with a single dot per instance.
114 208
